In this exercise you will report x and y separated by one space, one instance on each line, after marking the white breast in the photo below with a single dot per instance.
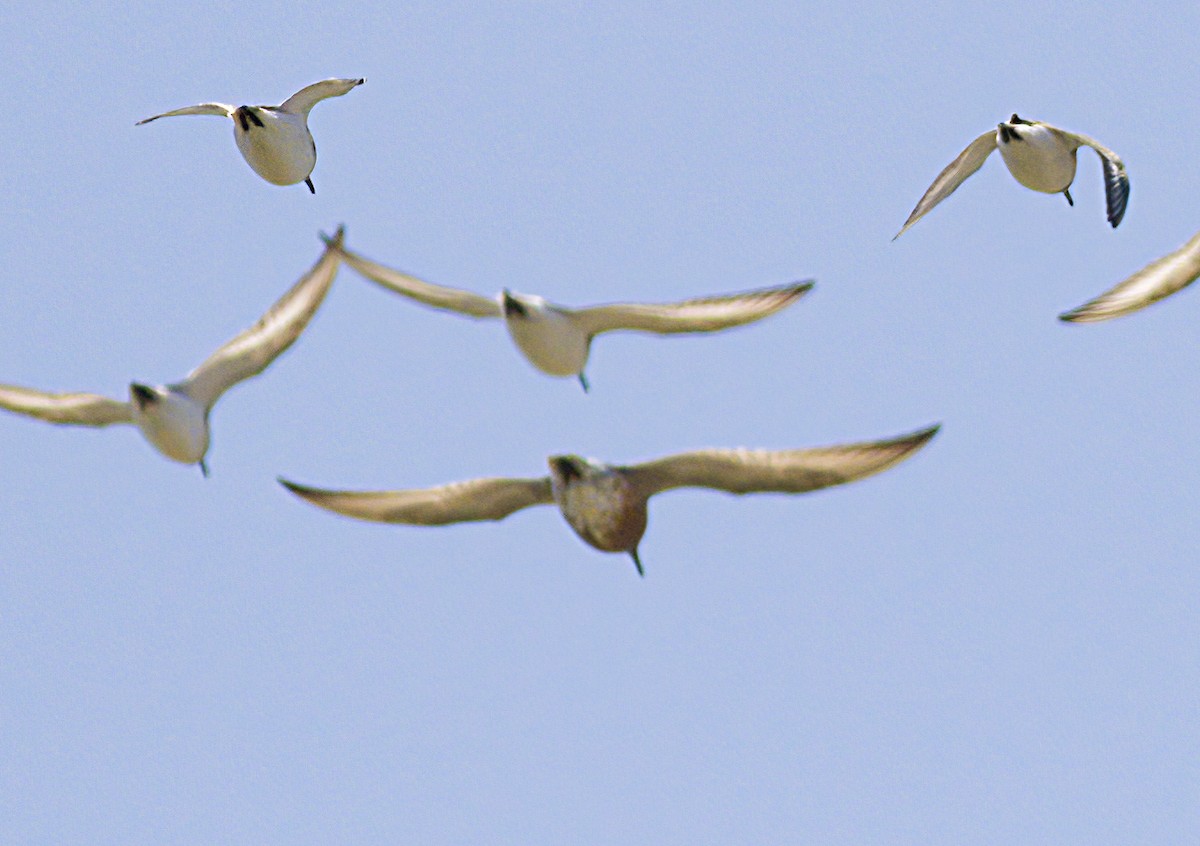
550 340
1040 160
281 151
175 425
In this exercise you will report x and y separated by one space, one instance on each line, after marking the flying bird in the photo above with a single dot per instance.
174 418
274 140
1039 156
1159 279
556 339
606 504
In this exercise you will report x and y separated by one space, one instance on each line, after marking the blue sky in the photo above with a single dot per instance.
994 642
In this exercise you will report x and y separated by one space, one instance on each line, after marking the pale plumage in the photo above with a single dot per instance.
1161 278
1039 156
174 418
556 339
274 140
606 504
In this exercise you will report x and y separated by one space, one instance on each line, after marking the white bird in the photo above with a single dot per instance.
1039 156
556 339
174 418
274 140
1159 279
606 504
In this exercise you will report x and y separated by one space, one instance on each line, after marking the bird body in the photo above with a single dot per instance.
276 144
599 502
605 504
174 423
557 339
175 418
548 336
1039 156
275 140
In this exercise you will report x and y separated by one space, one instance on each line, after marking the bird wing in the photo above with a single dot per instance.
303 100
71 409
706 314
1156 280
968 161
437 296
743 471
250 352
460 502
218 109
1116 180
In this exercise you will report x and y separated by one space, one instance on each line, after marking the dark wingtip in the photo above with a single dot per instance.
1118 198
1081 314
633 553
334 240
294 487
923 436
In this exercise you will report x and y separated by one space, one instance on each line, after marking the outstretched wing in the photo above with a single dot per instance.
706 314
250 352
69 409
303 100
968 161
460 502
1116 180
1156 280
217 109
743 471
437 296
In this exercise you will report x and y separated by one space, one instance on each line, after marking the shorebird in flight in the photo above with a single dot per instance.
556 339
174 417
1039 156
606 504
274 140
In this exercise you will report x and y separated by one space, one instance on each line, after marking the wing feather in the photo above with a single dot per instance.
743 471
1159 279
77 409
459 502
436 296
216 109
250 352
705 314
303 100
1116 180
968 161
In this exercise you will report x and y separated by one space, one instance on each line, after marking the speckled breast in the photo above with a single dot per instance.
605 512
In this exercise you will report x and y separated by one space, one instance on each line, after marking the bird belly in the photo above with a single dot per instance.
1040 160
175 427
281 151
604 512
551 344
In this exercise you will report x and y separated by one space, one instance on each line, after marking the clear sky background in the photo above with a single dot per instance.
994 643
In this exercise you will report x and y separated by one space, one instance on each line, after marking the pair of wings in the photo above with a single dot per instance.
705 314
1116 181
246 355
738 471
299 103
